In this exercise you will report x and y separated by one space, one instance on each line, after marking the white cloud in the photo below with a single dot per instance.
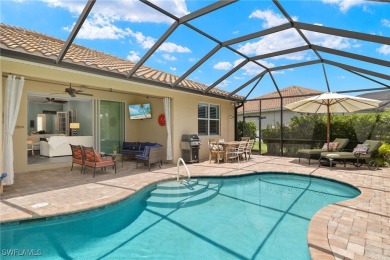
133 11
99 27
169 57
172 68
238 78
133 56
224 84
145 41
344 5
341 77
172 47
266 63
252 69
275 42
288 39
327 40
223 65
236 32
193 59
385 22
270 18
384 49
72 6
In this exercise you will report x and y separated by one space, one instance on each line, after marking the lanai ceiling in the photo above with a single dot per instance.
243 48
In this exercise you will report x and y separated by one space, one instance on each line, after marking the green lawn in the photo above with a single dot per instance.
263 147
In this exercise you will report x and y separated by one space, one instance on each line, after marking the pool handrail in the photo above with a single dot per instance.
185 166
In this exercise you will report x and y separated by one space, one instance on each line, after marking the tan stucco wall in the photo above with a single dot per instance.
184 107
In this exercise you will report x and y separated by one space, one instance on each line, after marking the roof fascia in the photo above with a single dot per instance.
80 68
75 30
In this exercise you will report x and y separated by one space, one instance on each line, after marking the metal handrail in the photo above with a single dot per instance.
185 166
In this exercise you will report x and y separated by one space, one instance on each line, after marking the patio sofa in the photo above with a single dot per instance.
341 144
132 149
152 154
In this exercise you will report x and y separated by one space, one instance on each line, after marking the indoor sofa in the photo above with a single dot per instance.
59 145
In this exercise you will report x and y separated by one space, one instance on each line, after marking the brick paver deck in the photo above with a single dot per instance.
352 229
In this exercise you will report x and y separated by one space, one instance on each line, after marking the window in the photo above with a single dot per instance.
208 119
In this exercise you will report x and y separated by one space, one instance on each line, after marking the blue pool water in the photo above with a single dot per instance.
262 216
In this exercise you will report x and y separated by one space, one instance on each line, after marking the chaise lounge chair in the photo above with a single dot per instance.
361 152
341 144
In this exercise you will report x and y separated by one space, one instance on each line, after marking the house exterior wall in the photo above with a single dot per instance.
184 107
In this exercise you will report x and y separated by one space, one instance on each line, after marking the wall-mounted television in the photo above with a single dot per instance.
140 111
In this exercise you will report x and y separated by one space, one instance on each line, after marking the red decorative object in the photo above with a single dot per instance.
161 120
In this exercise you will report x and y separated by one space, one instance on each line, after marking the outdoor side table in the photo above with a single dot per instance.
114 155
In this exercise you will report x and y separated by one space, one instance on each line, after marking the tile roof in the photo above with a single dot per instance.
274 104
26 41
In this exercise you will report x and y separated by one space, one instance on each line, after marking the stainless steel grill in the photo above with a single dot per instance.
190 145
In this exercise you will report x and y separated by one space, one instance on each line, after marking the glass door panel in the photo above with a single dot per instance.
111 125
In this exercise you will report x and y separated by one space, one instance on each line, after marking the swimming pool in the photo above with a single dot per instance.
261 216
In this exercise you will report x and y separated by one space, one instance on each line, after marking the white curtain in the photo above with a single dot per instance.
167 111
13 95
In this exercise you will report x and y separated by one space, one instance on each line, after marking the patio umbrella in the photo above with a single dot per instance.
332 103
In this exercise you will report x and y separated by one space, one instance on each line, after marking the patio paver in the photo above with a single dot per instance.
354 229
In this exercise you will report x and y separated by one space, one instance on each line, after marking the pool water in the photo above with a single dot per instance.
262 216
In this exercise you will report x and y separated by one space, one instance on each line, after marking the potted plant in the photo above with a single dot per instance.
114 148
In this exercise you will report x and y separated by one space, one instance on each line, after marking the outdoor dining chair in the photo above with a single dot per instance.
236 151
216 149
248 149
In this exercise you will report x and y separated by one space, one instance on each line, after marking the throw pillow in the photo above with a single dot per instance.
361 148
325 147
335 145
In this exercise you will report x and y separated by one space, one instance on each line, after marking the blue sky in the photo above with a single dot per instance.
127 29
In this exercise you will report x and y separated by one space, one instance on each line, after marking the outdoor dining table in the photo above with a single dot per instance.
226 146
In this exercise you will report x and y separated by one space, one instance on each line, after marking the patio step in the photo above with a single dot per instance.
182 197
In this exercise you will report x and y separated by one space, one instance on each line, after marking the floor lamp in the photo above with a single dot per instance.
74 127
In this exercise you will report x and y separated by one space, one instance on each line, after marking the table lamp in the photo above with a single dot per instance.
74 127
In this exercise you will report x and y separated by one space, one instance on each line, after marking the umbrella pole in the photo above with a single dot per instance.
327 126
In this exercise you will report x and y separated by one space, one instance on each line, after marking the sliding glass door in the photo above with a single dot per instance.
111 125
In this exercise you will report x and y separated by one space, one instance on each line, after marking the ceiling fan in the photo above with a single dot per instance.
53 100
73 92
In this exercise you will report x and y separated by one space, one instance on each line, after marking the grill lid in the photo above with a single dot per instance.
189 137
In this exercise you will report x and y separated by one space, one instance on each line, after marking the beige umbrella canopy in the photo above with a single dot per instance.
332 103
